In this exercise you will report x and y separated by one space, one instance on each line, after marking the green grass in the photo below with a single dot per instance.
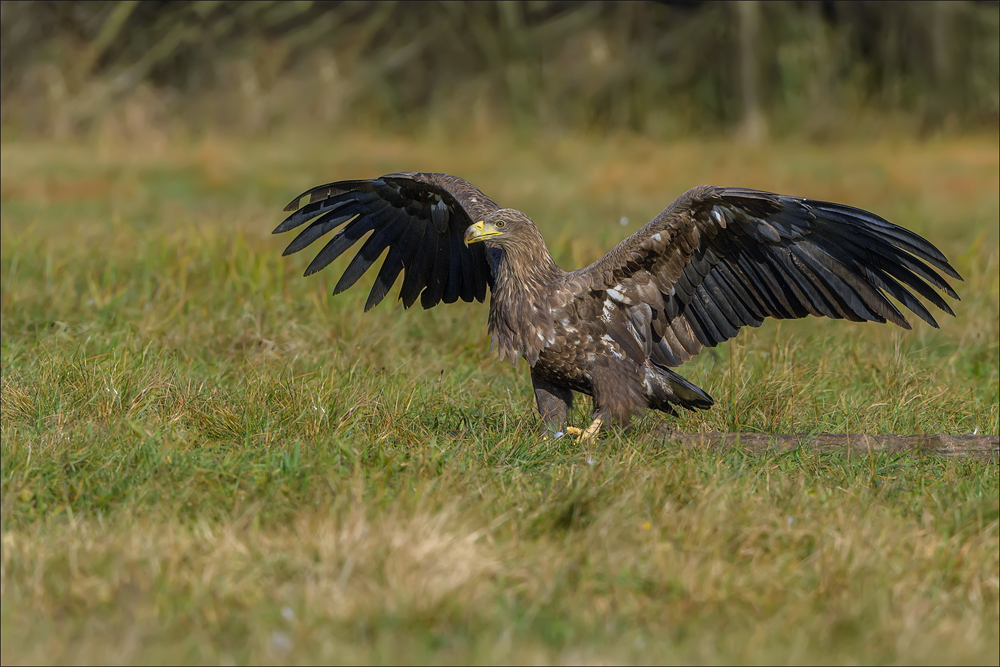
207 458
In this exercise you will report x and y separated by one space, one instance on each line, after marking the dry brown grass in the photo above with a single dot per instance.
334 585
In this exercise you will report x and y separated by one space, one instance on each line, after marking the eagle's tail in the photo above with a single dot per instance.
665 388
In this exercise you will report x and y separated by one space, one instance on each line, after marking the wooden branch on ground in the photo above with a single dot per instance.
950 446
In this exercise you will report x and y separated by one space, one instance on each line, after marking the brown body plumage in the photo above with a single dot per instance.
715 260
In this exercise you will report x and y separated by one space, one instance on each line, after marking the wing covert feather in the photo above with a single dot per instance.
725 258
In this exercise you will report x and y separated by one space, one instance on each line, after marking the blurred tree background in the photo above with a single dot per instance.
812 70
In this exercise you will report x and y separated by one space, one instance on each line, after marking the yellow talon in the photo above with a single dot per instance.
591 430
584 435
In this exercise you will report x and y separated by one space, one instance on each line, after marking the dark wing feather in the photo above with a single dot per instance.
419 218
724 258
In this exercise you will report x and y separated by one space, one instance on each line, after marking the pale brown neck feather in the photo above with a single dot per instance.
520 310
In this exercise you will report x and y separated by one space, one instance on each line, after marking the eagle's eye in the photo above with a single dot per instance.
500 223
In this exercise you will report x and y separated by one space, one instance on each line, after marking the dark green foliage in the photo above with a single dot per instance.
661 68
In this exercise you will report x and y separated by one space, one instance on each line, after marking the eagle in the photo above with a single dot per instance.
714 261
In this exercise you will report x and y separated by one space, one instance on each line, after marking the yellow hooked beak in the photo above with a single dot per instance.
480 232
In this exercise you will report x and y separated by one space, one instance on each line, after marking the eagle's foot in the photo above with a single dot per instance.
592 430
582 435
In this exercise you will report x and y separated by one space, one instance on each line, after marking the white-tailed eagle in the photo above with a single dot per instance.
714 261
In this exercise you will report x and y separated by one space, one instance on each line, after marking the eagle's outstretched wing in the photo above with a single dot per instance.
420 218
719 259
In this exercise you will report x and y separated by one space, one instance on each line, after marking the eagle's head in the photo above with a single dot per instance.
506 228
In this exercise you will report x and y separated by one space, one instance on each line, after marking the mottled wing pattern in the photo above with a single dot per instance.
419 218
718 259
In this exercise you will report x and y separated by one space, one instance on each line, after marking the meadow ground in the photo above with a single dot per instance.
207 458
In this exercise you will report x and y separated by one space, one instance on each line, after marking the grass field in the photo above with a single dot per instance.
207 458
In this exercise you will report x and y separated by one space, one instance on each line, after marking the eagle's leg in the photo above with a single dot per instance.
553 401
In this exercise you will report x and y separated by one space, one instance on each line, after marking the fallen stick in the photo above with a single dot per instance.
950 446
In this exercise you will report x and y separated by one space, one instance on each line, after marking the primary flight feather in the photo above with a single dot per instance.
714 261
